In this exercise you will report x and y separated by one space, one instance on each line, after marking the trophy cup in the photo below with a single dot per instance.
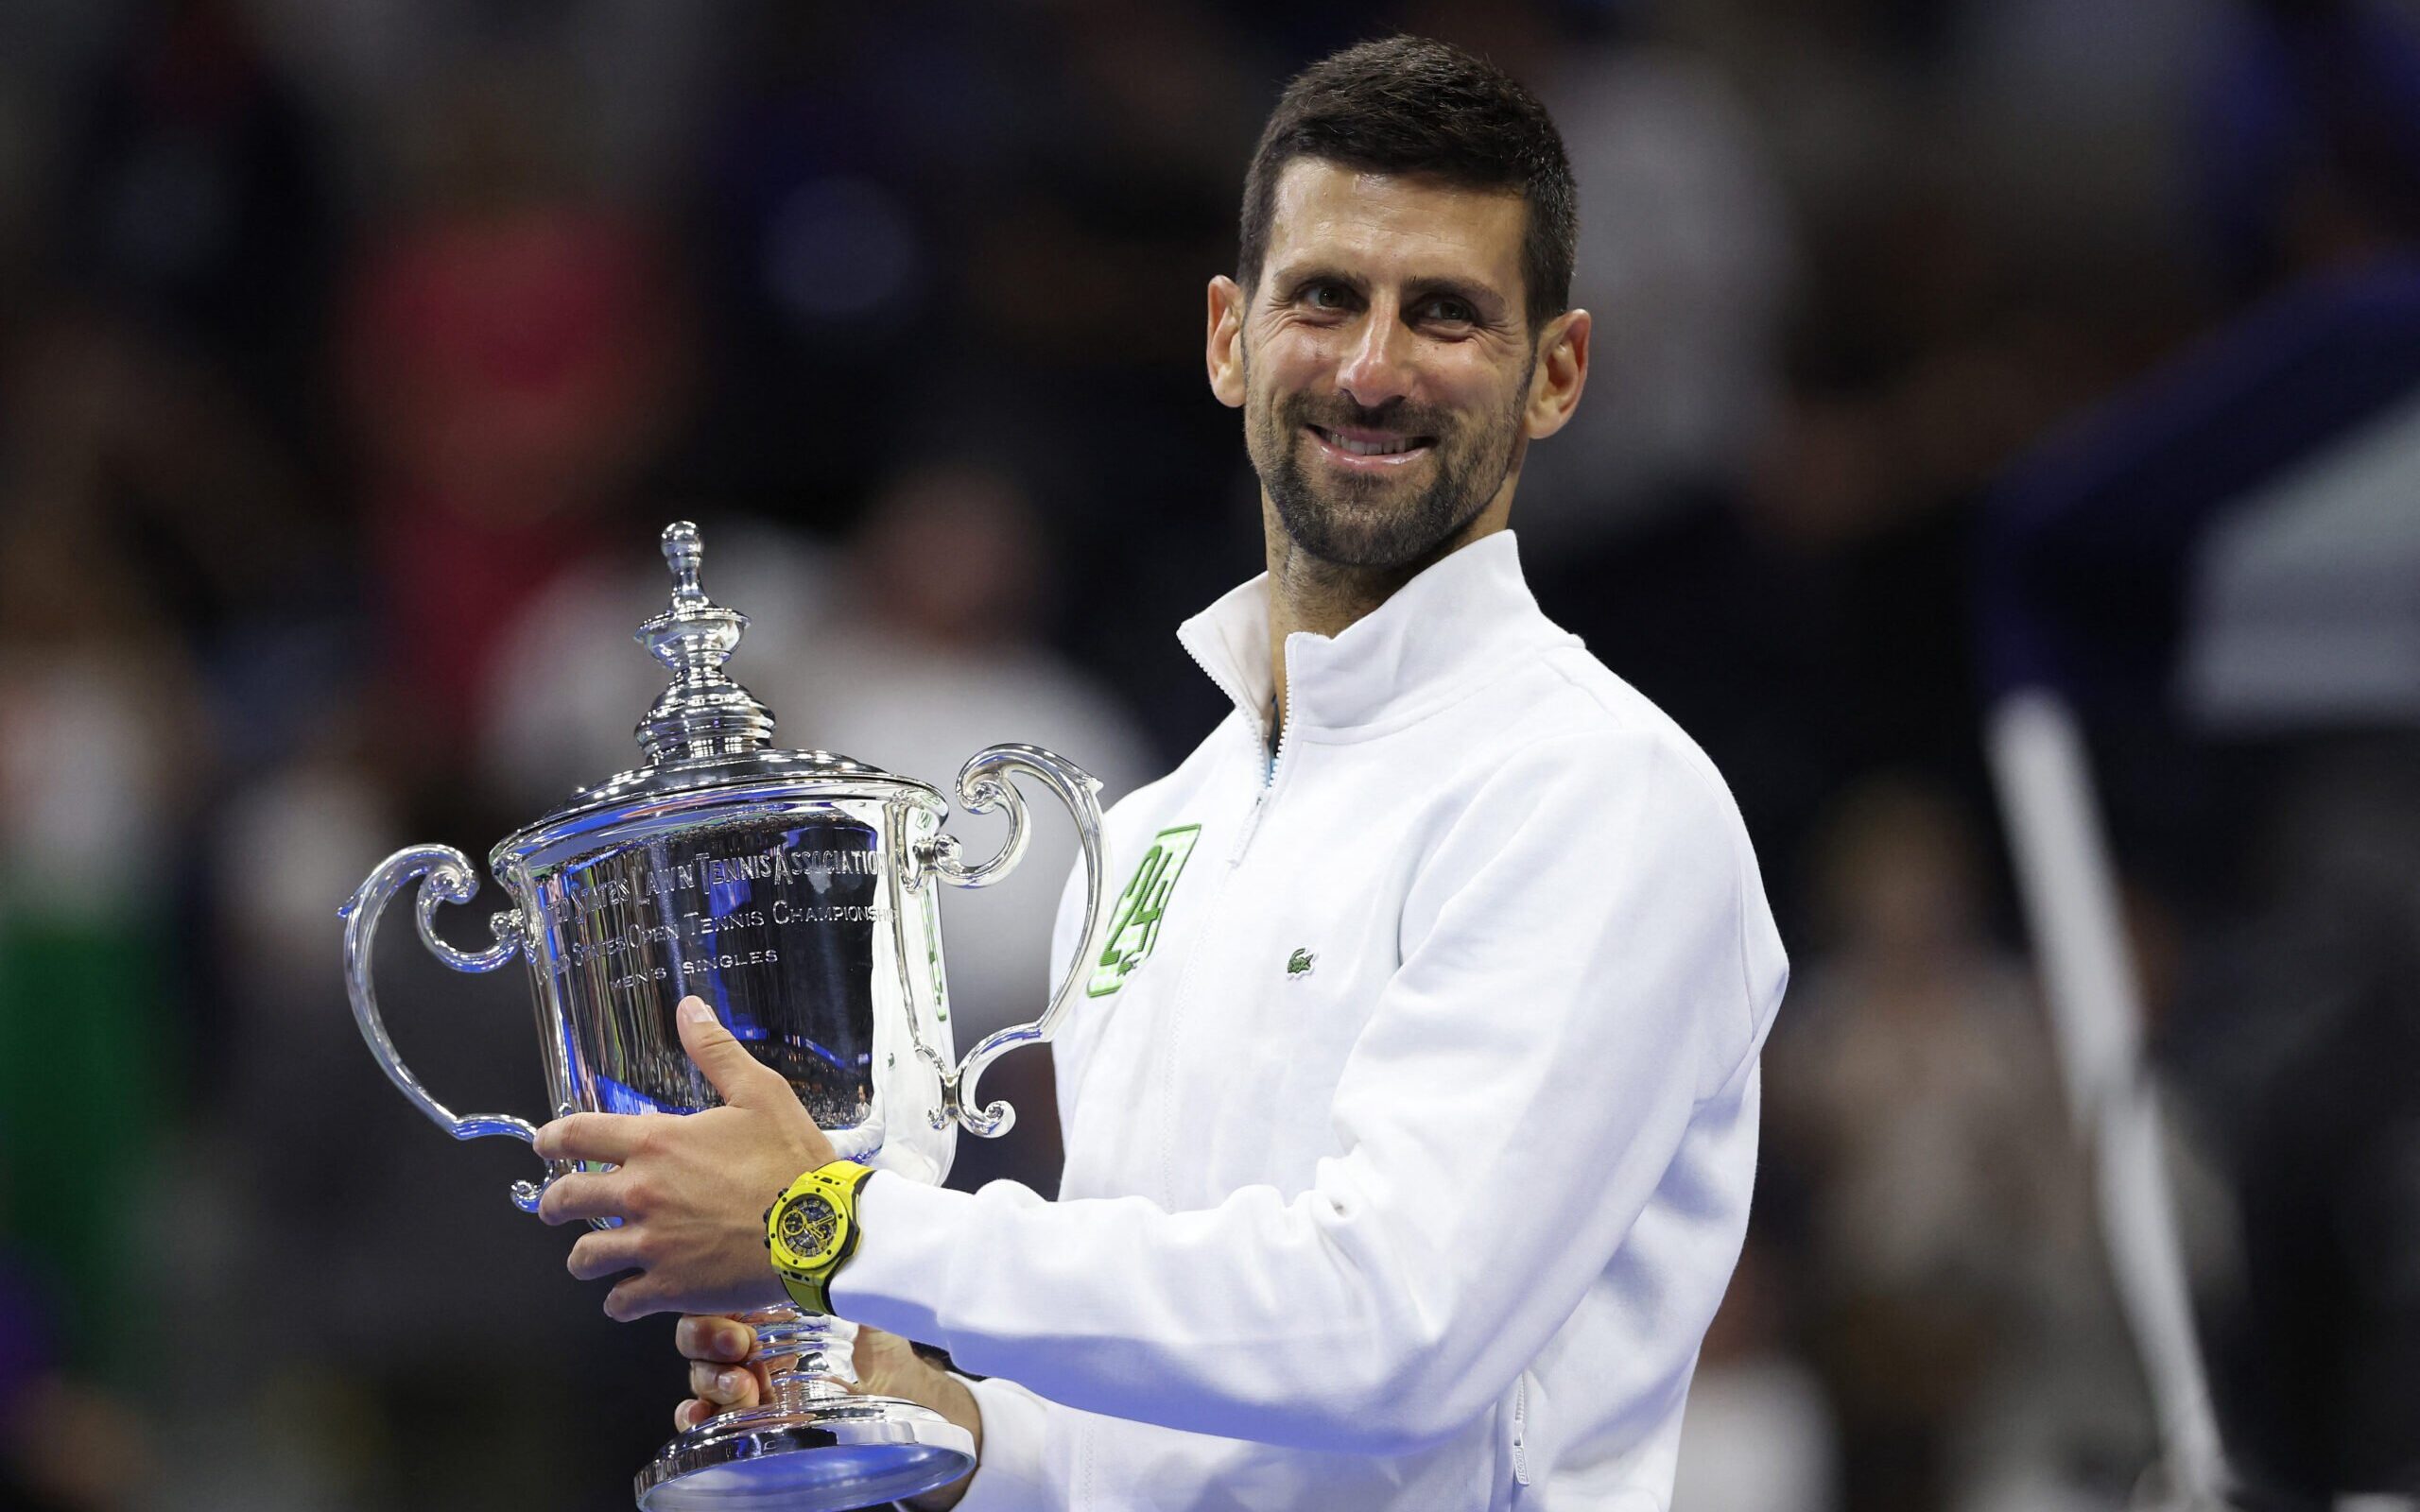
797 892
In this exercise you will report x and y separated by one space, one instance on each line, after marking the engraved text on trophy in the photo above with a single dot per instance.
774 926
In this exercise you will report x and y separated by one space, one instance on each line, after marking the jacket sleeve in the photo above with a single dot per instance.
1586 958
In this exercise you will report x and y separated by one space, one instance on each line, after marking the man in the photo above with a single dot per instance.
1410 1129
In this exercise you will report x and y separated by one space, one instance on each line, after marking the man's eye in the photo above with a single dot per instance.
1456 311
1326 297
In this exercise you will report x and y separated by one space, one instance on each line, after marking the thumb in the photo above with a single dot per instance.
718 1053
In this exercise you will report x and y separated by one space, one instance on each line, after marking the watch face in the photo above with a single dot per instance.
810 1227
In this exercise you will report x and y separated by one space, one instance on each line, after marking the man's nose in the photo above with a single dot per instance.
1377 367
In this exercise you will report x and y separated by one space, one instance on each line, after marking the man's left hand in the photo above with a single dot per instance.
691 1188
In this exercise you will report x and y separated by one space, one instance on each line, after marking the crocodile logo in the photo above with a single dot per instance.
1299 965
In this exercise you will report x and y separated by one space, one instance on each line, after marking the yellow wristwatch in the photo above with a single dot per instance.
812 1227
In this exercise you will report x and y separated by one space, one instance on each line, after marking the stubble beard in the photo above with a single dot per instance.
1369 523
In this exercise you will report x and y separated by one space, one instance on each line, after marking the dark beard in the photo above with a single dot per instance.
1356 522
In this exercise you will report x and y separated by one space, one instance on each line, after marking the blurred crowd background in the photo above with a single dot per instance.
354 351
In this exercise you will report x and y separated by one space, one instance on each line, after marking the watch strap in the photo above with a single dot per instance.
812 1298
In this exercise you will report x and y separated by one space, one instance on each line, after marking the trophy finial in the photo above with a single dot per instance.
685 552
704 713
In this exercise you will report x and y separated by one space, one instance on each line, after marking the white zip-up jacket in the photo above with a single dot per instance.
1410 1115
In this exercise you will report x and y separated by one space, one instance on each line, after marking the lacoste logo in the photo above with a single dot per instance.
1299 965
1134 922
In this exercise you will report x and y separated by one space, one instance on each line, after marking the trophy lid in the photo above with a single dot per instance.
705 730
704 714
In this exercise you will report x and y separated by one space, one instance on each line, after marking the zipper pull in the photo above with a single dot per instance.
1520 1430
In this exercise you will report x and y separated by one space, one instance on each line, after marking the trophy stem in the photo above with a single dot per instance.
810 1358
813 1445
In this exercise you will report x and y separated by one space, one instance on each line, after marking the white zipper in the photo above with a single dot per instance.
1276 761
1268 789
1521 1429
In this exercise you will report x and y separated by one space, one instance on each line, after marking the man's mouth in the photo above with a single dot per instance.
1360 447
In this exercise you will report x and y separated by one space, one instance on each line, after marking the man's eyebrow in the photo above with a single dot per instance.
1480 296
1286 280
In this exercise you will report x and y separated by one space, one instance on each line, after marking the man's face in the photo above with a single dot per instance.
1385 360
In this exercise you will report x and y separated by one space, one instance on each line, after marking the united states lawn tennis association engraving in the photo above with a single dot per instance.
586 892
634 923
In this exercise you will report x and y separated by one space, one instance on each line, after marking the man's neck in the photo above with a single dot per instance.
1307 594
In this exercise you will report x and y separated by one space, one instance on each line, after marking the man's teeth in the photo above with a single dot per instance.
1386 448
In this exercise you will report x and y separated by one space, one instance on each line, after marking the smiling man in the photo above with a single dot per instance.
1410 1115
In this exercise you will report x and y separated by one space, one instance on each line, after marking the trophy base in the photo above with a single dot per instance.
821 1456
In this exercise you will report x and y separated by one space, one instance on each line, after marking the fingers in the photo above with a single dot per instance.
605 1252
721 1380
740 1077
636 1296
586 1194
697 1410
723 1340
725 1385
608 1139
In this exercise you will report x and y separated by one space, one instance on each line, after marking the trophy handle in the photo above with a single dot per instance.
983 786
446 877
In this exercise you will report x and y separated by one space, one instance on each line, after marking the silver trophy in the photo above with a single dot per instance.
797 892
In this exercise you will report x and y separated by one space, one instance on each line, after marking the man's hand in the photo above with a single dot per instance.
723 1378
692 1188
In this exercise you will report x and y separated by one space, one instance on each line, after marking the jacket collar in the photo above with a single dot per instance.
1442 634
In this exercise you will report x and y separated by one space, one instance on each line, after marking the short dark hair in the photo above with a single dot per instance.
1407 105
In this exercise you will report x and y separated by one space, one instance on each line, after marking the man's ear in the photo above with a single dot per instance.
1224 351
1561 373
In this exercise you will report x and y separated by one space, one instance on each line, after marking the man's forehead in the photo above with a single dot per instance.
1396 225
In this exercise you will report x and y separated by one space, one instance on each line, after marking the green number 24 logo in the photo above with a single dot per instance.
1134 923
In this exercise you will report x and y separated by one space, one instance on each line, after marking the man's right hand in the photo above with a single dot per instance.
720 1379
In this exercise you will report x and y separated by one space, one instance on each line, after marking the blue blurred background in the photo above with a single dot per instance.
353 352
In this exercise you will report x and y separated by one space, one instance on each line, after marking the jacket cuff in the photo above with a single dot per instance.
1008 1477
910 1235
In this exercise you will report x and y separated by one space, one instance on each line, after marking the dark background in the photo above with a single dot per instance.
353 352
